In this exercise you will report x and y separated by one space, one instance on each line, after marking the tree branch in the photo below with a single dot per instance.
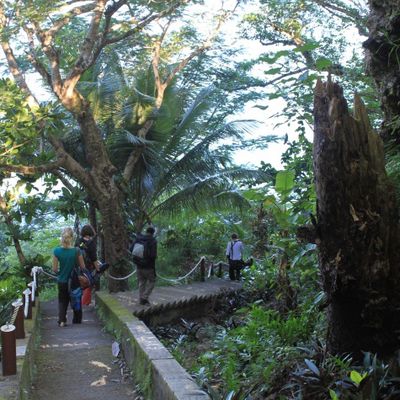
46 41
12 63
69 163
61 22
355 16
57 173
85 58
31 170
145 21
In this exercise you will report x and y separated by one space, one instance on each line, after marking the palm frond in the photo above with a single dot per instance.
198 161
206 195
195 110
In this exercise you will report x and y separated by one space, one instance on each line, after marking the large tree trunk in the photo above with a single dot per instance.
358 228
115 238
383 61
99 181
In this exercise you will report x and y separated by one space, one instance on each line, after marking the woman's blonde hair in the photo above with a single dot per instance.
67 237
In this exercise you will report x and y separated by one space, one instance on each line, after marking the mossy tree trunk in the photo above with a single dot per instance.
358 228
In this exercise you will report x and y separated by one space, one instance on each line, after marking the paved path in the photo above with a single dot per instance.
76 362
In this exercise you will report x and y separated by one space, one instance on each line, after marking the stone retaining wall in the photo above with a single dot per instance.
159 375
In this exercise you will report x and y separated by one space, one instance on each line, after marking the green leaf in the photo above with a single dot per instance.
272 71
275 57
307 47
284 181
357 377
333 395
322 63
253 194
270 201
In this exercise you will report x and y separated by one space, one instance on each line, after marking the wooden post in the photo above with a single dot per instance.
203 269
8 350
19 319
219 270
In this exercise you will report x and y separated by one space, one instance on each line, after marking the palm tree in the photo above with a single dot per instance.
184 163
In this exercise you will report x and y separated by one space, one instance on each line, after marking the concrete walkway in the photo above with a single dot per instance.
76 362
166 297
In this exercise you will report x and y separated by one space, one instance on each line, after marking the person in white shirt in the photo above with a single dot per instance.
234 254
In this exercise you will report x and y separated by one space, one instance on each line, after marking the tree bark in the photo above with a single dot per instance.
103 190
383 61
357 227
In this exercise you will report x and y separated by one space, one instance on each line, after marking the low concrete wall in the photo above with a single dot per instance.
28 371
159 375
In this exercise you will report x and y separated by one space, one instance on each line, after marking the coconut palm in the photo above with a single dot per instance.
183 163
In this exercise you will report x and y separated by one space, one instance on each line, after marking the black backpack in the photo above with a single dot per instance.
141 251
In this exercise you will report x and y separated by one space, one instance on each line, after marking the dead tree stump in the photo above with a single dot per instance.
357 227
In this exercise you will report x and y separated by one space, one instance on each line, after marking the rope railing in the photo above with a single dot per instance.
185 276
119 278
14 314
40 270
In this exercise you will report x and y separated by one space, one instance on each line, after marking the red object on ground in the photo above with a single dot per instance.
86 296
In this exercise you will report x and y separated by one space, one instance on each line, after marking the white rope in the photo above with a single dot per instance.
120 278
185 276
16 304
40 270
26 292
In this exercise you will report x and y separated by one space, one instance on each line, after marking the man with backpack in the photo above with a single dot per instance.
234 254
144 254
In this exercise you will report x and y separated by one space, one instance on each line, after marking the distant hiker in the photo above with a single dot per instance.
65 258
88 246
234 254
144 254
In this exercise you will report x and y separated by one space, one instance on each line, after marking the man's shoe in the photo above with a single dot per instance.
144 302
62 324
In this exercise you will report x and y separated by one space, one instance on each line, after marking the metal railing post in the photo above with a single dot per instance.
35 271
32 288
27 303
8 350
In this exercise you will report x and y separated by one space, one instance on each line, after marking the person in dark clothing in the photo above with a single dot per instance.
87 243
146 263
65 258
88 246
234 254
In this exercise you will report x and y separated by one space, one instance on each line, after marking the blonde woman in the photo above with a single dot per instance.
65 258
